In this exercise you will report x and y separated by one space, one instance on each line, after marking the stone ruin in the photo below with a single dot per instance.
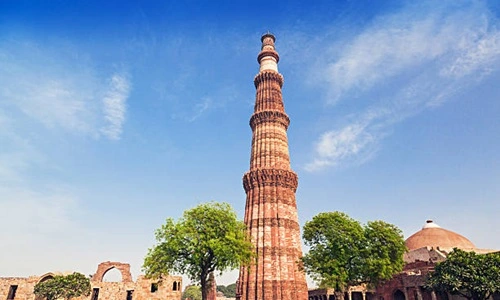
170 288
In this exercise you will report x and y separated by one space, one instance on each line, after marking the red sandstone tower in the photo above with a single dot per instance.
270 185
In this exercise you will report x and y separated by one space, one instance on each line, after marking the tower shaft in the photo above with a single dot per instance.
270 186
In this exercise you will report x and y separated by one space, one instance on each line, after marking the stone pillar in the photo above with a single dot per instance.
419 293
212 292
270 185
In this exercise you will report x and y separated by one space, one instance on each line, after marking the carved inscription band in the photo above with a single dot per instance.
282 222
279 251
270 177
286 199
272 116
268 75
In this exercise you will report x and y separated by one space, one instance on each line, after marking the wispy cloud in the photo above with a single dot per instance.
349 143
200 108
60 90
46 94
49 94
403 63
217 99
115 106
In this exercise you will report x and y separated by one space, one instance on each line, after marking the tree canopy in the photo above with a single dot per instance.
67 287
192 292
471 275
228 291
344 253
205 239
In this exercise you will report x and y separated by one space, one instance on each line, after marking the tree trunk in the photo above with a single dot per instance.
203 282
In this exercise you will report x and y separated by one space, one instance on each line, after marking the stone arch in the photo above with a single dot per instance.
104 267
46 277
398 295
112 275
43 278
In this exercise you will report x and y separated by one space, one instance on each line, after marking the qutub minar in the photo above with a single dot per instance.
270 185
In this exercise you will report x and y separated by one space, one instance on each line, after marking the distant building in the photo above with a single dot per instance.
142 289
426 247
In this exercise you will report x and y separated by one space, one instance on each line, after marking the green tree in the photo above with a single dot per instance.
205 239
471 275
67 287
382 252
192 292
228 291
344 253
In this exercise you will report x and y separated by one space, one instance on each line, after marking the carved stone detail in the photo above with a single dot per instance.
272 116
275 222
270 177
268 75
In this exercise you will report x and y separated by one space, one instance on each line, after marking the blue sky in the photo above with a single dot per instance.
117 115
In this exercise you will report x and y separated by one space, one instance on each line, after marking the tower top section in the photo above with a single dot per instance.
268 57
267 35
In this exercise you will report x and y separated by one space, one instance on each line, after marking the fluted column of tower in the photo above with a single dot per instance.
270 185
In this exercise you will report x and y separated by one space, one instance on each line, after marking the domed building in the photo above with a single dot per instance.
432 235
426 247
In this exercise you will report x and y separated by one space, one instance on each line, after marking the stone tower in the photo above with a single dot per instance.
270 185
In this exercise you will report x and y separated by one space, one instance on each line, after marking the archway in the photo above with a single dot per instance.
104 267
112 275
398 295
43 278
46 277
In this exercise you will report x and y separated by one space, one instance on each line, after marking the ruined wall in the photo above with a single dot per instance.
21 288
141 289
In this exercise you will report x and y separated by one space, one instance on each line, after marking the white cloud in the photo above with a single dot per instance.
397 43
200 108
51 99
46 94
478 54
355 142
399 66
115 106
60 90
192 110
